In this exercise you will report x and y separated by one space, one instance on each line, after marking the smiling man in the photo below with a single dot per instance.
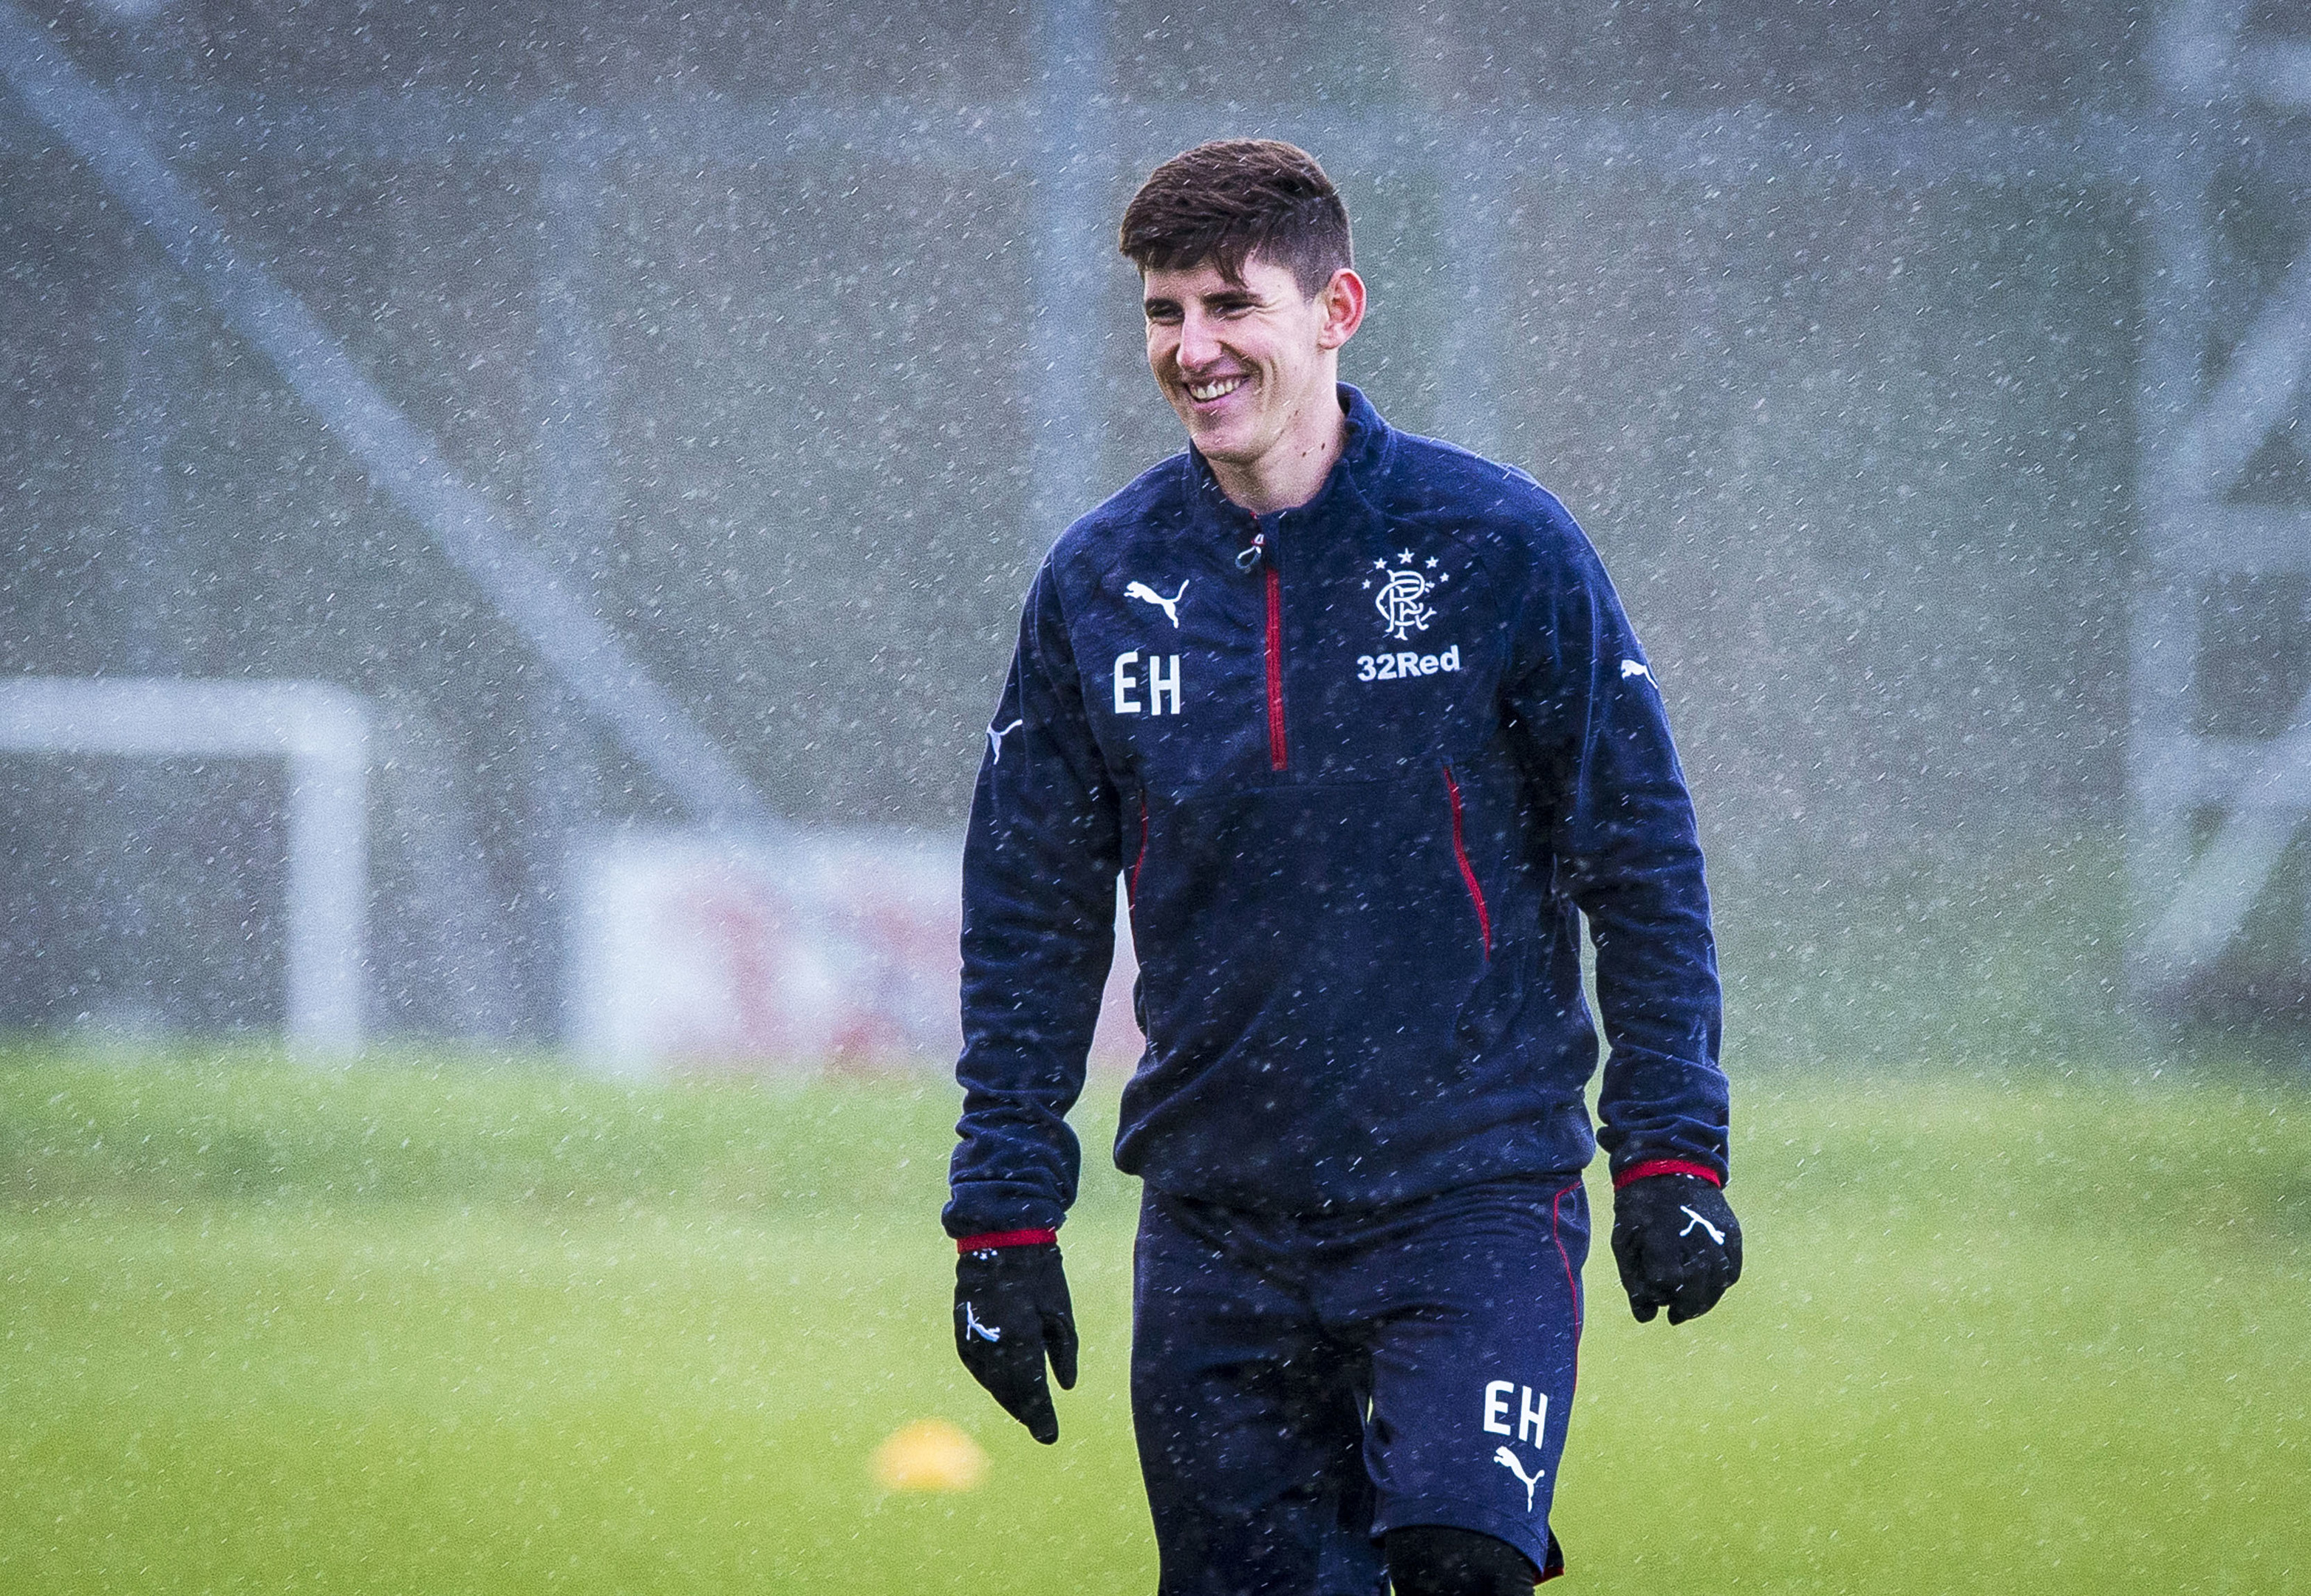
1360 722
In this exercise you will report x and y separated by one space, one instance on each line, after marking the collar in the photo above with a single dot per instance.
1362 452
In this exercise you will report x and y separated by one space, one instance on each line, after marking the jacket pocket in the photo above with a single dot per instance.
1468 871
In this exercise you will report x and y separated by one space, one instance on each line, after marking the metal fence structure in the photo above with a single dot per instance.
2222 767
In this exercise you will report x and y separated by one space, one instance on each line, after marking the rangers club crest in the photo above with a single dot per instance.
1401 595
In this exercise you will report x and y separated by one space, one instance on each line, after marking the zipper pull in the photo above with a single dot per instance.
1248 560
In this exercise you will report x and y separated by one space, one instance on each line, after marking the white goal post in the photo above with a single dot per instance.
321 729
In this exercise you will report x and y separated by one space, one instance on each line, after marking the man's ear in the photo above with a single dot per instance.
1343 302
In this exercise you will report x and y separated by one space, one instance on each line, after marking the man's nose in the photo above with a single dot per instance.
1200 343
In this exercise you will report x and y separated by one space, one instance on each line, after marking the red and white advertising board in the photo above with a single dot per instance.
694 952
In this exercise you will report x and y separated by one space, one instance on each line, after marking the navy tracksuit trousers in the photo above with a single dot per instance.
1302 1385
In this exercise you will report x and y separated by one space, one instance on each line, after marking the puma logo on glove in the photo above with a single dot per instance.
1716 1234
1023 1292
1677 1244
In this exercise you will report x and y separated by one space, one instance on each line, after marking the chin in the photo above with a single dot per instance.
1227 443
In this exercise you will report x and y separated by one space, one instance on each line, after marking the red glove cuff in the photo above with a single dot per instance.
1005 1238
1666 1166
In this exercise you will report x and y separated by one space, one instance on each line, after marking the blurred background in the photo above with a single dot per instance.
651 418
512 518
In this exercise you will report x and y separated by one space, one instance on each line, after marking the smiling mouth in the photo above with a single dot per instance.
1204 393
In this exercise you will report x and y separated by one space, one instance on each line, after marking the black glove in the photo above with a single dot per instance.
1677 1243
1010 1308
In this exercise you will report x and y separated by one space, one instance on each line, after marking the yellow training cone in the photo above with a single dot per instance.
929 1454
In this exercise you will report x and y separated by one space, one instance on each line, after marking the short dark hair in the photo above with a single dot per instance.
1227 201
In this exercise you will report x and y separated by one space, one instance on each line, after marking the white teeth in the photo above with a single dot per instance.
1213 390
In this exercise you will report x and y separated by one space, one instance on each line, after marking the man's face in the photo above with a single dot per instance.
1242 362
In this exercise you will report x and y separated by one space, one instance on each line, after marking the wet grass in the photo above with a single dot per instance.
451 1329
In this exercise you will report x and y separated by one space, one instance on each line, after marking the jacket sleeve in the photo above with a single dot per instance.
1038 871
1628 852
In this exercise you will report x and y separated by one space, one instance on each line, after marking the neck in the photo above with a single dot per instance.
1292 471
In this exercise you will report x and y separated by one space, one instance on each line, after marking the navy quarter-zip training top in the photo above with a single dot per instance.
1362 765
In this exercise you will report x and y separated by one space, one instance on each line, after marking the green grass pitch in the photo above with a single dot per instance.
447 1329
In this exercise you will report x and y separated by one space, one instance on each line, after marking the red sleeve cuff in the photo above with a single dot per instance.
1667 1166
1005 1238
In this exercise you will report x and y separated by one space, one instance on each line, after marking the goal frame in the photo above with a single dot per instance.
320 730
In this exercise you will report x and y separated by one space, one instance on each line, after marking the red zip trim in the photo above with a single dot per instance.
1468 873
1275 670
1132 887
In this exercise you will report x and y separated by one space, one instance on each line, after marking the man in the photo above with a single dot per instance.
1358 719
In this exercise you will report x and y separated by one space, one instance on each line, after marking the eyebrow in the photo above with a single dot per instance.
1227 298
